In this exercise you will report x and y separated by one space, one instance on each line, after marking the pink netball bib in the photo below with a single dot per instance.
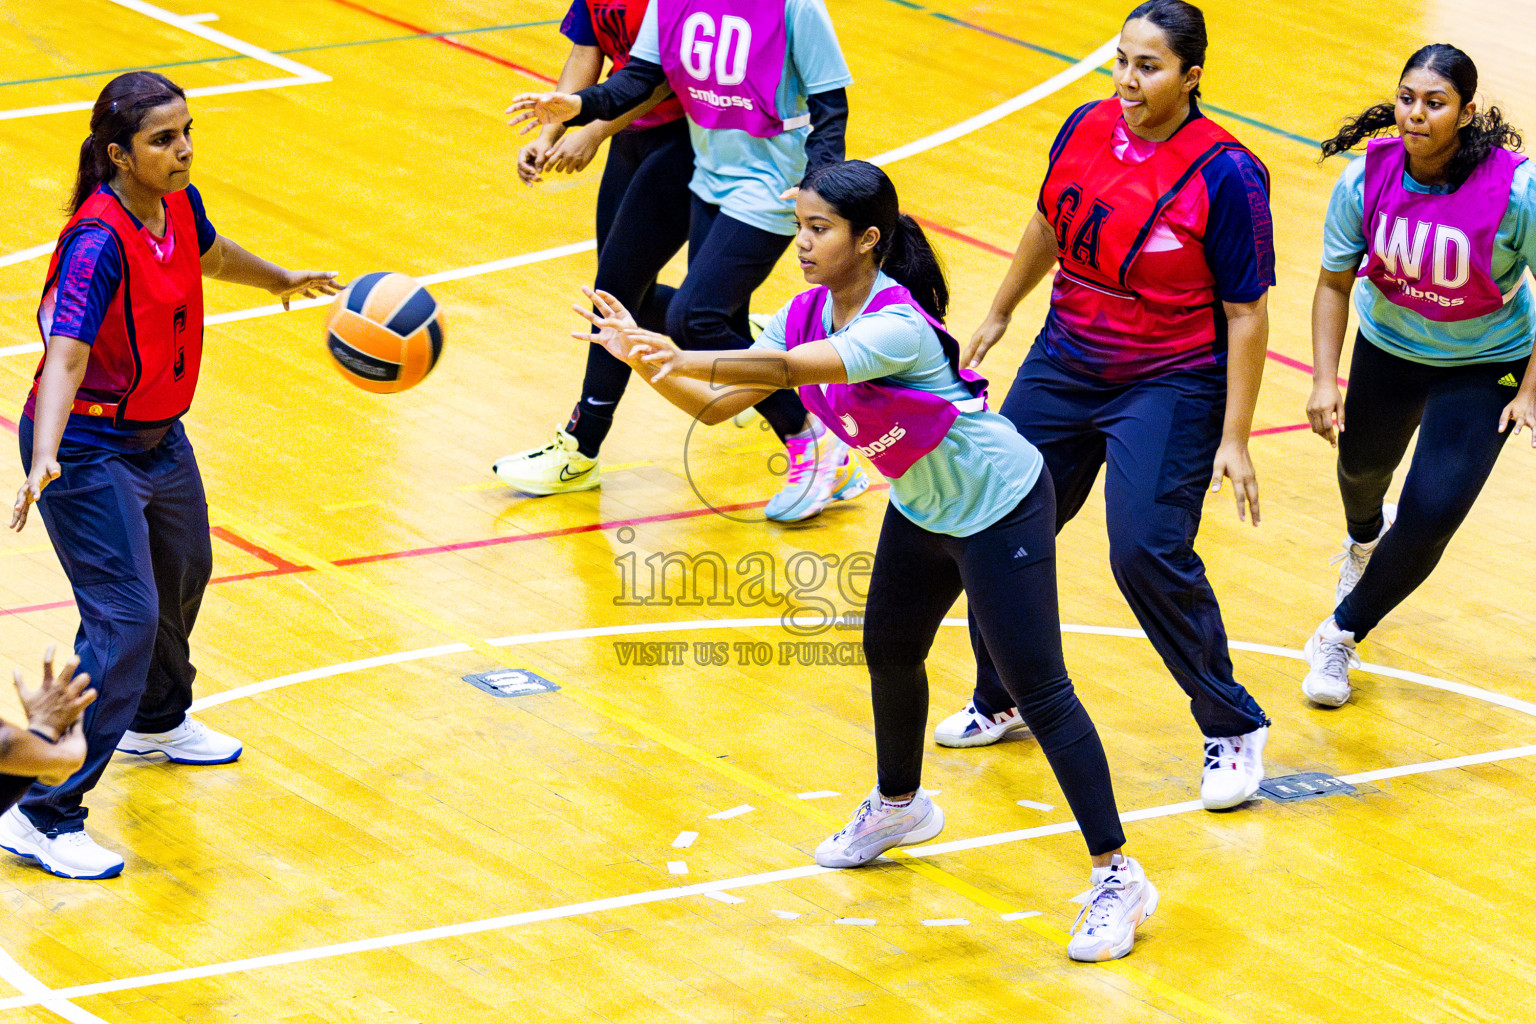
725 61
1433 253
891 425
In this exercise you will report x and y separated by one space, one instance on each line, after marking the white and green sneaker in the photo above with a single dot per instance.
557 468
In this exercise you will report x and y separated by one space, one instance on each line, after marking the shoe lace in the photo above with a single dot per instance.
866 809
1216 751
1338 658
1354 558
1100 904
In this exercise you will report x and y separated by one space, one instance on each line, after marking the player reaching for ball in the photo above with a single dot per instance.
763 85
972 509
108 462
1443 219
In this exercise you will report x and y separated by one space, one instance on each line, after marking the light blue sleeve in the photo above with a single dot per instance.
1522 203
773 338
647 45
880 344
813 46
1343 229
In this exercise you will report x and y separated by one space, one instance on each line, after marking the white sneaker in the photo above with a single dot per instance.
816 457
1234 767
1330 655
191 742
1353 559
971 728
1120 899
877 827
68 854
557 468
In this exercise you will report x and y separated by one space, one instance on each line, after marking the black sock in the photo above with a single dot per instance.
589 425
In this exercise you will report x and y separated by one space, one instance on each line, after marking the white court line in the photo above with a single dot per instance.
275 308
21 256
35 997
40 994
1053 84
302 74
986 117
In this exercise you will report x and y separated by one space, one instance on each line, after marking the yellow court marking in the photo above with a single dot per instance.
762 787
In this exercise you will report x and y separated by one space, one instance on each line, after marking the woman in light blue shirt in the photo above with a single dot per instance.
1439 222
972 510
764 90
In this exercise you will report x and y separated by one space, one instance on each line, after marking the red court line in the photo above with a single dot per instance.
1280 430
250 548
961 236
445 40
9 424
288 568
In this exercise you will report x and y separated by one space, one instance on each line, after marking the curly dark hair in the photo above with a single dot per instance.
1486 132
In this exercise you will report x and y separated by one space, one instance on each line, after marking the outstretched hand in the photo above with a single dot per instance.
611 319
534 109
310 284
1232 462
58 701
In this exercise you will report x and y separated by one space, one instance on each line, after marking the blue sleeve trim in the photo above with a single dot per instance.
206 235
577 26
1239 232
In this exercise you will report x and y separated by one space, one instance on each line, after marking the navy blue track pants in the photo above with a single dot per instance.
1156 439
131 532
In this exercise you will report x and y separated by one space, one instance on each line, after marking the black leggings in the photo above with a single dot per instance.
642 222
12 788
1008 571
1456 412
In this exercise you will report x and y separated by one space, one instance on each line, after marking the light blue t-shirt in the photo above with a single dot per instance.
981 469
745 175
1499 336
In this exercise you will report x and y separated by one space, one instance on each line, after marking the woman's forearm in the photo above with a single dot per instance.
27 755
63 370
1247 343
228 261
1330 319
1032 260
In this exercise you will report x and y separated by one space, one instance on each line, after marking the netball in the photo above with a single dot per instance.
385 332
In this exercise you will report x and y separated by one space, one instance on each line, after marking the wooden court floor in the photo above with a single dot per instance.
397 845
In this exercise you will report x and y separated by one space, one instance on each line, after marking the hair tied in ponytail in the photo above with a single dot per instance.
119 112
864 196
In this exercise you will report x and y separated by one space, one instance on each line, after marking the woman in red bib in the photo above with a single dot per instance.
1148 364
122 321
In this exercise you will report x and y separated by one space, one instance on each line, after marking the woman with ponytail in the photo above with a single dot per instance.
108 463
1433 231
972 509
1149 363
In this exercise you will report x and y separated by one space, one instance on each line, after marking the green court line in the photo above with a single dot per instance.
298 49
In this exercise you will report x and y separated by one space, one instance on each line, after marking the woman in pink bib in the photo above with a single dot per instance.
1432 232
972 509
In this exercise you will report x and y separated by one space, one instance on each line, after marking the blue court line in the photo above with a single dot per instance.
1067 58
298 49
